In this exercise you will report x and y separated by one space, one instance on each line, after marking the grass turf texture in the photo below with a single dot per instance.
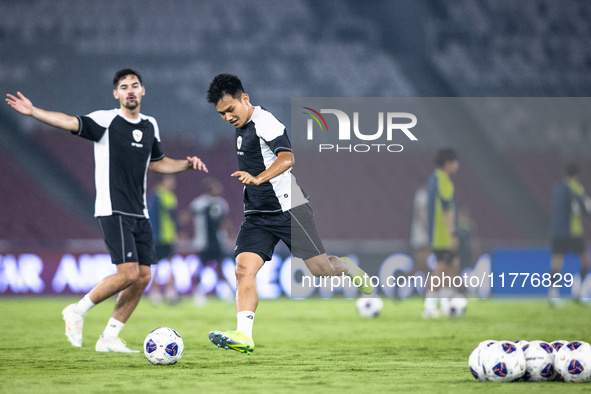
302 346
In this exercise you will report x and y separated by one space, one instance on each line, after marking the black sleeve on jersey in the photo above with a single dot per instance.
157 153
89 129
280 143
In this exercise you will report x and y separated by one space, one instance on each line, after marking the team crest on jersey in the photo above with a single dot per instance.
137 135
239 142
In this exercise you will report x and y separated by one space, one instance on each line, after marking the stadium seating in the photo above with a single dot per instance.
286 56
512 48
30 214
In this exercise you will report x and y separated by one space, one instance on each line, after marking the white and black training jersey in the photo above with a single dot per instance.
257 144
123 149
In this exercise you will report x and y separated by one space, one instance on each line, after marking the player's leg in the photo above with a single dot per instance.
324 265
112 228
448 291
556 262
254 246
247 266
141 247
438 286
126 275
247 300
559 249
127 301
420 257
432 299
305 243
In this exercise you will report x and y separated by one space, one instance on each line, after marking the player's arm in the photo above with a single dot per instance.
450 223
56 119
283 163
172 166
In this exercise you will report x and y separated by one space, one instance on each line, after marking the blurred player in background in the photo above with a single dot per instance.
162 208
569 203
469 248
419 230
126 145
275 207
442 228
212 226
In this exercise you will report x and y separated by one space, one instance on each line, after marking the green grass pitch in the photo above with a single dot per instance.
302 346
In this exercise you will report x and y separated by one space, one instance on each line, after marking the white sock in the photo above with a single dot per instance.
245 322
431 301
113 328
85 305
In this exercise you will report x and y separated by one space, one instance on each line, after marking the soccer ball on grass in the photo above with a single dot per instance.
369 306
573 362
454 306
504 361
477 357
163 346
539 361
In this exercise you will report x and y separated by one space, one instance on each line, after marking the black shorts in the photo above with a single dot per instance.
444 255
129 239
260 234
564 245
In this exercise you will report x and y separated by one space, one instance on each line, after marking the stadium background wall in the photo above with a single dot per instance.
503 273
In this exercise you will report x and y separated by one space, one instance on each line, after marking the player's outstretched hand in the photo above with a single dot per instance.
246 178
196 164
20 103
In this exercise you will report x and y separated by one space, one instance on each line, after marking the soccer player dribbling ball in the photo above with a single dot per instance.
126 145
275 207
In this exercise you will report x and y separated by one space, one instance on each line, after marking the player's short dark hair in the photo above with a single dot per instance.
224 84
444 155
572 169
119 75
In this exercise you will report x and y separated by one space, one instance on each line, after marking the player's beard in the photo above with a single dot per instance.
131 105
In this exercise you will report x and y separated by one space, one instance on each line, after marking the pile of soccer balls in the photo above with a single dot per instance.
535 361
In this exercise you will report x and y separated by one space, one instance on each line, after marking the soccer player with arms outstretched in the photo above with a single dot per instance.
275 207
126 145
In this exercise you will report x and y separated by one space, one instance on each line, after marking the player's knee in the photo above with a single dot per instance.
244 271
130 277
144 278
